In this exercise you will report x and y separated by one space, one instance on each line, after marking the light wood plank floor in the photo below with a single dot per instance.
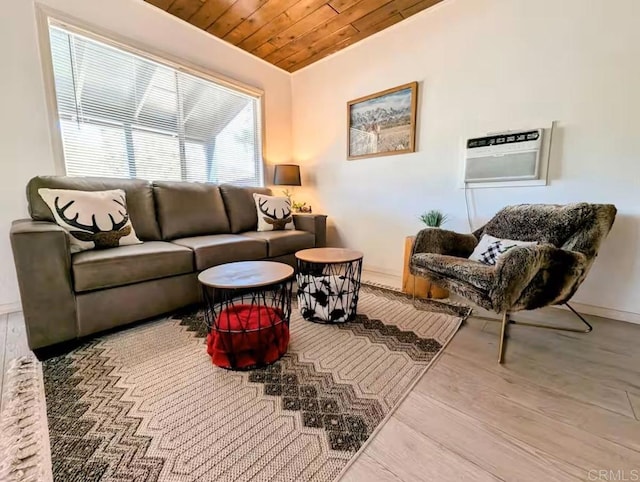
561 406
13 343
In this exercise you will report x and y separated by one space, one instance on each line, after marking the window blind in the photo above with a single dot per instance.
124 115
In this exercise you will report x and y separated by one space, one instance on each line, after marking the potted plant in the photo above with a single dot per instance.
302 208
433 218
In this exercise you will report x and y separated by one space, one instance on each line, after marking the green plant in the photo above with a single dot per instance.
300 207
434 218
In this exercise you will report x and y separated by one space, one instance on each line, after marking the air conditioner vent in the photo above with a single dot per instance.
509 156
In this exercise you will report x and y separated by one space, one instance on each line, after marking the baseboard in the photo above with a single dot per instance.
382 276
7 308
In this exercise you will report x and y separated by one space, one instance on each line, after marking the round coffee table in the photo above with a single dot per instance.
248 308
328 284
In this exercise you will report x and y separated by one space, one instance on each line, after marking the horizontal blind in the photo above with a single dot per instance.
123 115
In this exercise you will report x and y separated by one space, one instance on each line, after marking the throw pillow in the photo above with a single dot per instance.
93 219
274 213
490 249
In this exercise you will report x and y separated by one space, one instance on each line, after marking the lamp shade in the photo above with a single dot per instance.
287 175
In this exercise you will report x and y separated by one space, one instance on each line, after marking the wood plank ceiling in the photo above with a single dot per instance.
292 34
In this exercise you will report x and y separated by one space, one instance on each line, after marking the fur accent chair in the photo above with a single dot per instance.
525 277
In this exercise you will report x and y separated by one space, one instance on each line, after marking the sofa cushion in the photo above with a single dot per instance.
240 206
189 209
284 242
93 270
139 199
218 249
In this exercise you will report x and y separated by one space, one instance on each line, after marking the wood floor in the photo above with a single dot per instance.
561 406
13 343
564 406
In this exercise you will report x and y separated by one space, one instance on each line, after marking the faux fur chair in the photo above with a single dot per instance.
524 278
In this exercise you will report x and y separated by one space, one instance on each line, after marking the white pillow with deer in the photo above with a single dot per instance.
93 219
274 213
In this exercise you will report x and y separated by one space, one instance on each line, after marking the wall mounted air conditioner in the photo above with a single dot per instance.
503 157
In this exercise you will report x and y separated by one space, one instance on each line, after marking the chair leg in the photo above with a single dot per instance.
503 336
413 293
586 329
506 321
416 305
589 328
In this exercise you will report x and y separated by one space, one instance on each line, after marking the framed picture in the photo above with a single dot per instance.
382 124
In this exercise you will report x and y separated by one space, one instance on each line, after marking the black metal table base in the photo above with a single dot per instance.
248 328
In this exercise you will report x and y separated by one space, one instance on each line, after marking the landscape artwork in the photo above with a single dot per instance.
382 124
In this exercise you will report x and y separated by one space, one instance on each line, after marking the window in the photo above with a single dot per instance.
124 115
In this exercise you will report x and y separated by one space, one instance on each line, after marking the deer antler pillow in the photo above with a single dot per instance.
93 219
274 213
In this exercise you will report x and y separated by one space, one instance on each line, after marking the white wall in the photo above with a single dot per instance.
485 65
482 65
24 133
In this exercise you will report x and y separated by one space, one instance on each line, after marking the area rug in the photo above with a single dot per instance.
146 403
24 441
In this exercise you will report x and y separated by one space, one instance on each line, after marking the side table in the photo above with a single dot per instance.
248 308
424 288
328 284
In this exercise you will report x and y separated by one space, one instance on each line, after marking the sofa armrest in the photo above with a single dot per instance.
530 277
313 223
43 265
442 241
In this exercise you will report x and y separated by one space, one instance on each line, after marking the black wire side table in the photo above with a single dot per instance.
248 309
328 284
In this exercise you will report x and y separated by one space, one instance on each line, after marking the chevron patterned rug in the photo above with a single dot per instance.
146 403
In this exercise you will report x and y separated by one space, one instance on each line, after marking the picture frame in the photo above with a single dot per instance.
382 124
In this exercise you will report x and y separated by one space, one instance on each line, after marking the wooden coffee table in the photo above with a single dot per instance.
248 308
245 274
328 284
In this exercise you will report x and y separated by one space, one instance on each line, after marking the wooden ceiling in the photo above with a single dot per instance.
292 33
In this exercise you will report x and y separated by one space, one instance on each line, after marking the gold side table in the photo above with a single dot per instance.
424 288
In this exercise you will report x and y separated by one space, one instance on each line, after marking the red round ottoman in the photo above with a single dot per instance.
246 336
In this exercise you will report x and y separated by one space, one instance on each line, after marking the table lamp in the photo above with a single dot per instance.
289 175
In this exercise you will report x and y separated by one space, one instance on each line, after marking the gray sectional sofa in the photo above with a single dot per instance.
186 228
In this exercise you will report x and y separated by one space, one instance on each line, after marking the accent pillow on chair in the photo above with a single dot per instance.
93 219
274 213
490 249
